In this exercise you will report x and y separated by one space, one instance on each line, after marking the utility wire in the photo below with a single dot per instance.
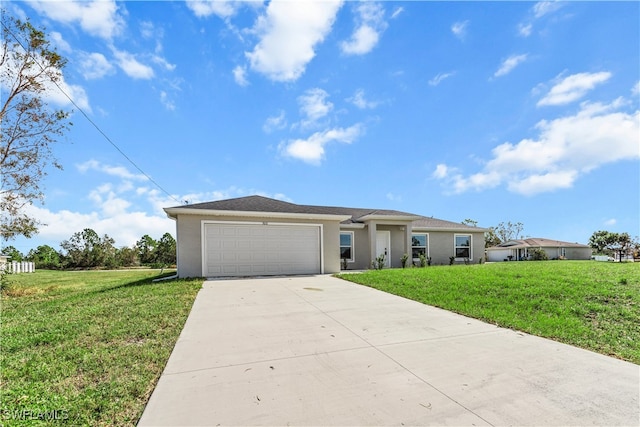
94 124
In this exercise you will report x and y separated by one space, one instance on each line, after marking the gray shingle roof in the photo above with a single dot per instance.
537 242
266 204
430 222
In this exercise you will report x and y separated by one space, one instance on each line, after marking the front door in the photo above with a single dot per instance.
383 246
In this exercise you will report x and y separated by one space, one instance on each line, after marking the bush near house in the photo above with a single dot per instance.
583 303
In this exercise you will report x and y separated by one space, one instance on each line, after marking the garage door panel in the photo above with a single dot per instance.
258 249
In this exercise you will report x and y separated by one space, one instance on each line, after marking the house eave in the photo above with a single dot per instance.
174 212
450 229
378 217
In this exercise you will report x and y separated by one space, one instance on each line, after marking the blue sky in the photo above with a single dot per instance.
502 111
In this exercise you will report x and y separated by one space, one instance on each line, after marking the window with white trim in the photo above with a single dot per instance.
463 246
419 246
346 245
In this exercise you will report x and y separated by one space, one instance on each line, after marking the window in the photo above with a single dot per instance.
346 245
419 246
463 246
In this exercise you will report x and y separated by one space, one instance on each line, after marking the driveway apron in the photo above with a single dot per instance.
320 351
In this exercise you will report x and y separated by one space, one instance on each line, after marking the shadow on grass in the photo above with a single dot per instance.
140 282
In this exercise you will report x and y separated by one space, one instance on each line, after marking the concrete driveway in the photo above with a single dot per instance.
322 351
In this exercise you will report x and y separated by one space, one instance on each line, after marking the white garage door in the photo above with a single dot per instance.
258 249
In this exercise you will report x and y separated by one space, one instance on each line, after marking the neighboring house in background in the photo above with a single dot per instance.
255 235
518 250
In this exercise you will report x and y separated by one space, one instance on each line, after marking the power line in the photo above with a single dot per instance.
94 124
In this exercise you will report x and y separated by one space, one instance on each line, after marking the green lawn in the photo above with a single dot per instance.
594 305
87 346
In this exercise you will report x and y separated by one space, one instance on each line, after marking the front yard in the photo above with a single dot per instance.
593 305
86 347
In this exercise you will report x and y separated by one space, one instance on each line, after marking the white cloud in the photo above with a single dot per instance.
124 226
131 66
289 32
75 92
94 65
525 29
314 105
123 210
362 41
240 76
167 101
397 12
60 93
273 123
459 29
394 197
573 87
542 183
147 29
157 59
543 8
538 11
435 81
635 90
441 171
565 149
116 171
59 42
311 150
509 64
220 8
358 99
367 34
611 222
98 17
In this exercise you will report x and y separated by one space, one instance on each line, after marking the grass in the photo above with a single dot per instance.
593 305
86 347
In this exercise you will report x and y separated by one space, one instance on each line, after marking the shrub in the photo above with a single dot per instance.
378 263
423 260
404 260
538 254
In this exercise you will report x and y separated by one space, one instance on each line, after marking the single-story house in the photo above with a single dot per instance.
255 235
518 250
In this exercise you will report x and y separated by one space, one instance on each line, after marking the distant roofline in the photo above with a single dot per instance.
536 242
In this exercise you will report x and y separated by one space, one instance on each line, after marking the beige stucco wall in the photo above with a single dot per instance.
362 248
579 253
442 246
189 240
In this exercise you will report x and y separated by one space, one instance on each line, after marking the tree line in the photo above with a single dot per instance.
86 249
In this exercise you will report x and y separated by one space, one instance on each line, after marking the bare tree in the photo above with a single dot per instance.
29 67
506 231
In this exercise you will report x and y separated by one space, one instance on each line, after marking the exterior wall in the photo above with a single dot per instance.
579 253
189 245
442 246
552 253
569 253
189 241
496 255
362 246
360 249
